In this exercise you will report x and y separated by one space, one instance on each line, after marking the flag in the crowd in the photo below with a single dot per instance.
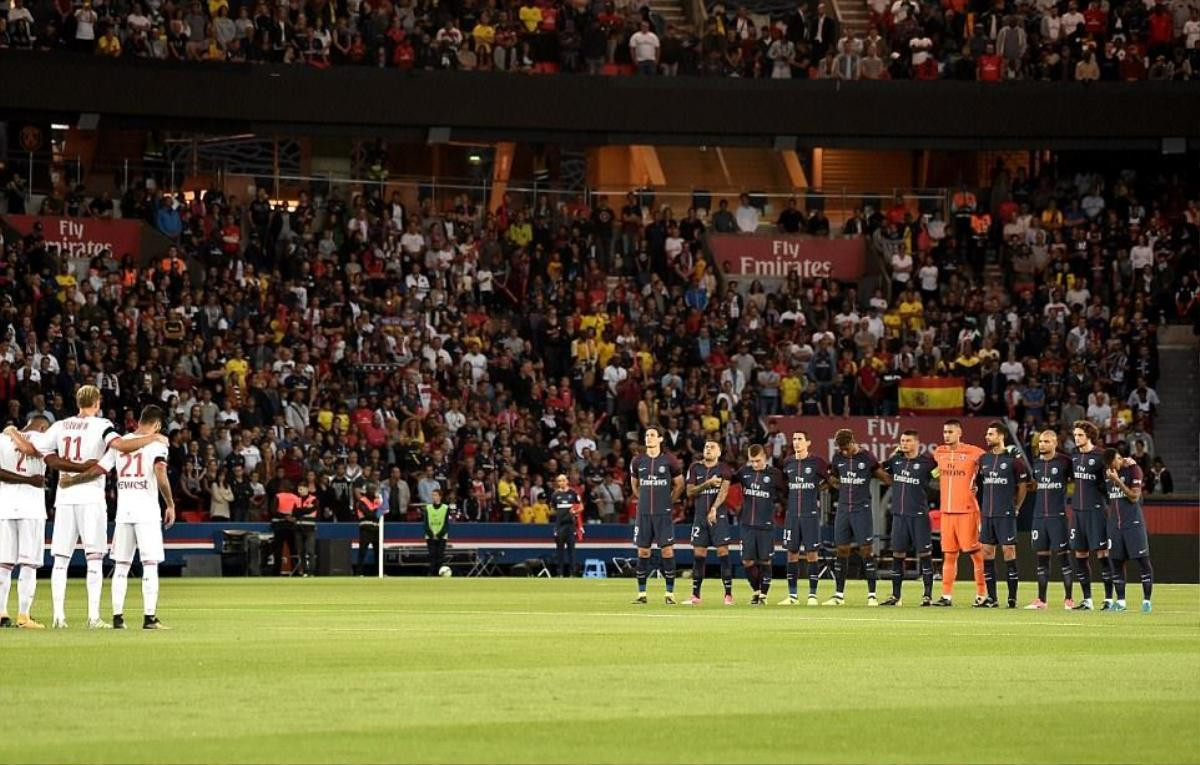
931 396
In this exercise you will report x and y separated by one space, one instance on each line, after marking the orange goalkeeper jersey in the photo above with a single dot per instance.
957 467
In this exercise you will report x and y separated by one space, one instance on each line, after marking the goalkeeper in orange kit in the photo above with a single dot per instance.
958 465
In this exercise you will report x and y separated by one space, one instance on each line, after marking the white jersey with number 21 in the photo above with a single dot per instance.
137 487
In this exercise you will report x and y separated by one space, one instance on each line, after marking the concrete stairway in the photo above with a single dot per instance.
1177 426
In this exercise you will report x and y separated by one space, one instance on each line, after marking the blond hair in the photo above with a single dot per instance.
87 396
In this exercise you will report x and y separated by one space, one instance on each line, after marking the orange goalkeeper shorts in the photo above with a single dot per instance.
960 532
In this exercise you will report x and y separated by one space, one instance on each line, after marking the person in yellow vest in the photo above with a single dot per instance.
367 508
436 516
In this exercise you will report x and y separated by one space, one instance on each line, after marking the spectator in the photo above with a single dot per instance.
644 48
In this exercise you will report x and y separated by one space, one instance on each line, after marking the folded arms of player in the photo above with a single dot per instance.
35 481
86 473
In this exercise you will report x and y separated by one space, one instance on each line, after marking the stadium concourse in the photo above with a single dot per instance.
351 340
991 42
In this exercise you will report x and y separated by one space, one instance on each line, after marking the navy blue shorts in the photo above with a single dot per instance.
757 544
911 533
802 533
998 530
851 527
1129 543
705 534
1089 531
1050 534
650 529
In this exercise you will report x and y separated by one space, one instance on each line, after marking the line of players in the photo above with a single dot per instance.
84 448
980 493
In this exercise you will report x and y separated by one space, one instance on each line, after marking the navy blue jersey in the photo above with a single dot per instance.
854 476
761 491
911 477
1090 491
655 475
697 474
1125 512
1052 476
999 477
803 482
562 502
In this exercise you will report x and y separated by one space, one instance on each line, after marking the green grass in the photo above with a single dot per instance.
534 670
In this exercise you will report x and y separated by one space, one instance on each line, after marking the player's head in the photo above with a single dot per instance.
151 419
436 495
997 434
1112 458
1085 433
87 398
37 423
712 451
800 443
952 432
560 482
758 457
844 441
652 439
910 443
1047 443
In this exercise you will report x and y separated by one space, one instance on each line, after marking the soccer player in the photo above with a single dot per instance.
850 471
22 524
658 483
708 485
1127 528
141 479
806 476
763 488
80 511
911 474
567 507
1051 472
1003 484
1089 530
958 465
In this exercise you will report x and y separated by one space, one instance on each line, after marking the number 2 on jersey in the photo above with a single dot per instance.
67 448
131 459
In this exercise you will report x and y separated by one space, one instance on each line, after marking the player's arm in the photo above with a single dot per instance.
35 481
23 444
676 488
1132 493
164 489
882 475
1024 481
127 444
95 470
52 460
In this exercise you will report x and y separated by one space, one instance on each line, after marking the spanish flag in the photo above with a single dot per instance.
931 395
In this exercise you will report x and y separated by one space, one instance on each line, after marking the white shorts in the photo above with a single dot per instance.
23 542
8 541
75 522
146 538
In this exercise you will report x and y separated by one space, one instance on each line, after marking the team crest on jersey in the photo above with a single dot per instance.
1054 471
767 479
661 469
861 466
1091 463
1004 466
808 471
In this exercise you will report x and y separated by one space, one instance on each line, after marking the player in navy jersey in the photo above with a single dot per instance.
658 483
806 478
911 474
1003 483
763 488
707 486
1126 528
566 505
1051 473
851 471
1089 531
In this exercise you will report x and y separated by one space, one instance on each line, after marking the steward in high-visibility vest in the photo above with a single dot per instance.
437 527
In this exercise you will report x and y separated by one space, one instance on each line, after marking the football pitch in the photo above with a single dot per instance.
535 670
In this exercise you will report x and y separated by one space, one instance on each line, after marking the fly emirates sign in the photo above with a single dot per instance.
775 257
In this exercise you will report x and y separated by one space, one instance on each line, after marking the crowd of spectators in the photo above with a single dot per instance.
955 39
350 338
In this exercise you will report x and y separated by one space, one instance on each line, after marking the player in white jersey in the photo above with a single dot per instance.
80 511
22 523
141 477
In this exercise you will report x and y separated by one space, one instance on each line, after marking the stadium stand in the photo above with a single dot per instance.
351 338
1063 41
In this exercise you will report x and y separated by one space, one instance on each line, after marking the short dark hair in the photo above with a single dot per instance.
911 432
804 433
1000 428
953 421
756 451
843 437
35 417
152 414
1111 455
655 429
